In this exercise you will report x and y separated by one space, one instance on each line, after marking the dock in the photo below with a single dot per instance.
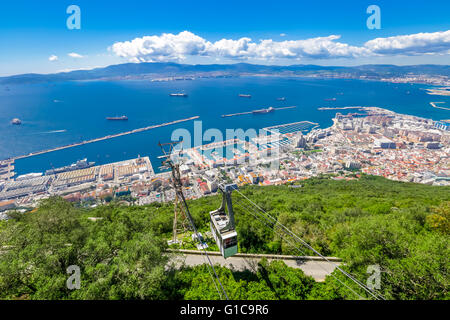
434 105
339 108
103 138
6 170
251 112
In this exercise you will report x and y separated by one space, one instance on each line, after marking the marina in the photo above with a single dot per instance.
290 128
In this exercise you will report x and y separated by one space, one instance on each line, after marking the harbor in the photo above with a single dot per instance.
102 138
45 131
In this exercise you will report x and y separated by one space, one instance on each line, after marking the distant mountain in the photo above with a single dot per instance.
153 70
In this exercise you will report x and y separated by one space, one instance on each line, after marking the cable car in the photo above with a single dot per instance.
222 223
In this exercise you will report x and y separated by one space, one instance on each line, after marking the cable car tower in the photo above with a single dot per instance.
168 163
222 223
180 223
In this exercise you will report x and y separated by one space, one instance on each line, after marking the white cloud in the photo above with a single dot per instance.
79 69
413 44
241 48
315 48
161 48
75 55
176 47
53 58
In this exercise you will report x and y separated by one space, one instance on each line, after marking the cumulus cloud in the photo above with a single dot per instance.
166 47
413 44
315 48
177 47
53 58
75 55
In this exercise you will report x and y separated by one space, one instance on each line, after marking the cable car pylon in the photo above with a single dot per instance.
168 163
222 223
180 223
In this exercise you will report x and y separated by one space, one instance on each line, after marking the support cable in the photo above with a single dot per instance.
295 246
374 294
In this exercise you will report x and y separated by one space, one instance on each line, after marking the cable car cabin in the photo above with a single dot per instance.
226 239
222 224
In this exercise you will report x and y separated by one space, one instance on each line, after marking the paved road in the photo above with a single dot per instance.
318 269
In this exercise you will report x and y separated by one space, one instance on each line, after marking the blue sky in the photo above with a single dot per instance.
323 32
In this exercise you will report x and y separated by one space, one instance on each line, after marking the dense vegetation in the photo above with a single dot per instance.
404 228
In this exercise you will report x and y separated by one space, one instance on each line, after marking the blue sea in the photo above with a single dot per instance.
62 113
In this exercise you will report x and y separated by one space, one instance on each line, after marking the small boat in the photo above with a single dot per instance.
16 121
281 99
178 95
330 99
245 95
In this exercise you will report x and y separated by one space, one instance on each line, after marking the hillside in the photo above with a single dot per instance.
402 227
156 69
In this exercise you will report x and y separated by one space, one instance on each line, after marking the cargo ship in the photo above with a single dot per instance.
117 118
16 121
245 95
178 95
270 109
80 164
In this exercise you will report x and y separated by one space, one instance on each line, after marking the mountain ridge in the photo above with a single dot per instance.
146 69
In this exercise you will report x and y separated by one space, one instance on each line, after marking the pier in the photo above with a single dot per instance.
250 112
103 138
6 170
339 108
433 104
